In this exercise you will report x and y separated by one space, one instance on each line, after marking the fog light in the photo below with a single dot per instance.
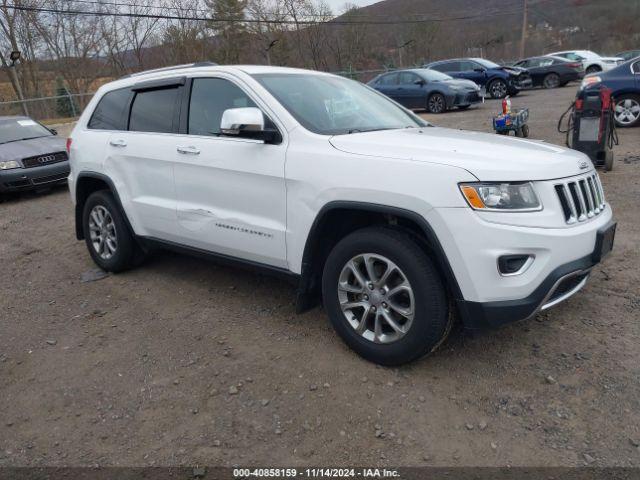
514 264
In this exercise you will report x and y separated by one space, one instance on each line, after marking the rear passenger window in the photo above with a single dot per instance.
391 79
447 67
153 110
210 97
110 112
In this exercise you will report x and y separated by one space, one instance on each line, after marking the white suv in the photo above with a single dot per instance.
394 223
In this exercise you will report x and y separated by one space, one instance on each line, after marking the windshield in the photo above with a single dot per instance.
15 129
330 105
434 75
487 63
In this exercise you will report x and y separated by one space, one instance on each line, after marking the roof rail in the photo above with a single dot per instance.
176 67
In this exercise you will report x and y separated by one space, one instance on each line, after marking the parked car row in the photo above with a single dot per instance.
460 82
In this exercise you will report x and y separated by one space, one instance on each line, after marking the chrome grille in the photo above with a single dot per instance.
581 199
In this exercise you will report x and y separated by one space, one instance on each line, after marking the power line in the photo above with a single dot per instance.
333 22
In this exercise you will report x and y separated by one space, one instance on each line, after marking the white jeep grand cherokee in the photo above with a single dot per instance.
394 223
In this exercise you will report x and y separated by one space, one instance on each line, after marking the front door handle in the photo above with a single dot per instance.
188 150
118 143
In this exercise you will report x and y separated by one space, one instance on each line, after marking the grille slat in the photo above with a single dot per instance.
581 199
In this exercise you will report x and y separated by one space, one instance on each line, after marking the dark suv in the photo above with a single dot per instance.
498 81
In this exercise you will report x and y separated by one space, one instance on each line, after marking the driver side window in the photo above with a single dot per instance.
210 97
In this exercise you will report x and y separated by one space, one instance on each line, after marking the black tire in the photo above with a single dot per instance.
525 131
519 133
463 107
497 88
436 103
432 321
551 80
608 161
592 69
126 254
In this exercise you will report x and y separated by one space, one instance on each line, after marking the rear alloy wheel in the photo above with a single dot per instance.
593 69
551 80
627 111
436 103
498 89
384 296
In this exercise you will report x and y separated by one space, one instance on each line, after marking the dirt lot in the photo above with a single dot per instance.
185 362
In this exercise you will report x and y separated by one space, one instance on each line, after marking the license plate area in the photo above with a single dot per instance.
604 242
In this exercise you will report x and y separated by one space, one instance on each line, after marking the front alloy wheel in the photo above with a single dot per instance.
436 103
384 296
498 89
627 111
376 298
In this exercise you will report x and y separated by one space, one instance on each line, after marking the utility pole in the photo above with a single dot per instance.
523 40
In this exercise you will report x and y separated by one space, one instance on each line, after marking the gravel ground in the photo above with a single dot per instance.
185 362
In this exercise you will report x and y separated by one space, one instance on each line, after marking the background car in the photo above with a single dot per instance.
591 61
552 72
430 89
31 155
498 81
624 81
629 54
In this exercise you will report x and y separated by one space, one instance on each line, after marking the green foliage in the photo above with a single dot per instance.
65 106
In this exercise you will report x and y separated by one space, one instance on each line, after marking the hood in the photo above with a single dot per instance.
30 148
514 70
460 82
488 157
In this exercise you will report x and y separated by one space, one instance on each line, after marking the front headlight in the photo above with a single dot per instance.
496 196
9 165
590 81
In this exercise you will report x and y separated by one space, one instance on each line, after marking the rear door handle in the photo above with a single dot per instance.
118 143
188 150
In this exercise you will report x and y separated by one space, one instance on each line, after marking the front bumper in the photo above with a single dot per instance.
521 82
20 179
562 259
463 99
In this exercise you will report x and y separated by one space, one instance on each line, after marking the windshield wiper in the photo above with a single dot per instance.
21 139
364 130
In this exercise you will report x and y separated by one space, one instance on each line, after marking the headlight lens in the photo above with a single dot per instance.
9 165
498 196
590 81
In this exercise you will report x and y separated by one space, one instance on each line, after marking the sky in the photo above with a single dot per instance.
338 5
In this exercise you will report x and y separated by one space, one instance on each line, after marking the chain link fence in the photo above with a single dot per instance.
48 109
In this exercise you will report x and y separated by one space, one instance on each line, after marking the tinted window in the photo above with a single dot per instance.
469 66
636 67
447 67
391 79
407 78
153 110
210 97
109 114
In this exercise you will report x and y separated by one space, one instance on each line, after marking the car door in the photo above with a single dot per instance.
473 71
535 70
412 90
231 196
388 84
140 160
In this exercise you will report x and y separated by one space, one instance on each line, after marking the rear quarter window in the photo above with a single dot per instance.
110 113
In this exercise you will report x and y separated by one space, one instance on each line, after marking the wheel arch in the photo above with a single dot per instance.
86 184
339 218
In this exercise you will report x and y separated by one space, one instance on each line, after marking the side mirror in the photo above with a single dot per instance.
479 70
247 123
420 82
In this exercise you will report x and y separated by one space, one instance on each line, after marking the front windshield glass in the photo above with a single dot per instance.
487 63
14 129
434 75
330 105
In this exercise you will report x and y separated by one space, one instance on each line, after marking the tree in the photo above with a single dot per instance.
65 105
227 18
